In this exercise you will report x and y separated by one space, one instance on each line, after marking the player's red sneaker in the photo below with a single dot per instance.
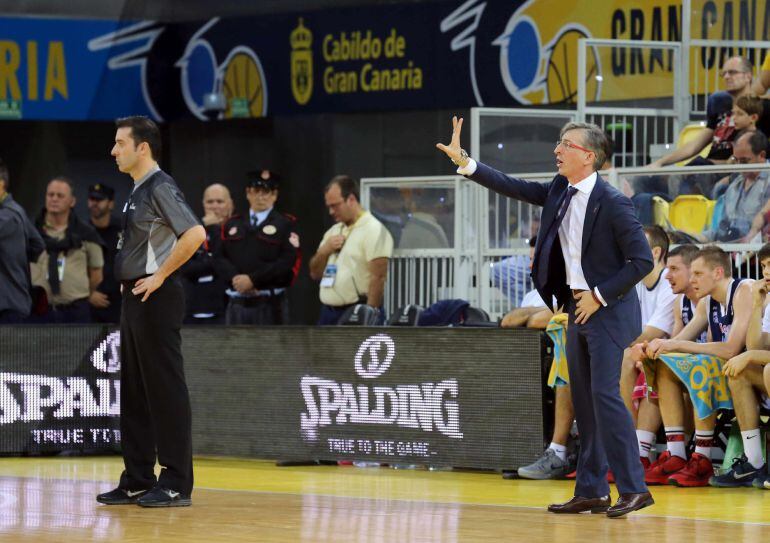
697 472
645 462
664 467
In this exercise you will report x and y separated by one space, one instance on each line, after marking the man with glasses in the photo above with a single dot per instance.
719 130
590 253
259 256
747 193
352 259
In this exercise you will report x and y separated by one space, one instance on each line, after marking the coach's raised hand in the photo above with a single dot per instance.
453 150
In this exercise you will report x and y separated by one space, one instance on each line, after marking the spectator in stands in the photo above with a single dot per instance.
724 311
217 205
202 278
747 193
20 243
748 376
259 256
720 129
106 299
746 112
70 268
352 260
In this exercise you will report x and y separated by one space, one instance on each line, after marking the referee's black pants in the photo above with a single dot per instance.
154 401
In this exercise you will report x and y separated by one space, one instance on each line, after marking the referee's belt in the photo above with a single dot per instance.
128 284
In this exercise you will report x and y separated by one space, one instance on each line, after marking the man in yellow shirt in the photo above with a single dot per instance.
352 260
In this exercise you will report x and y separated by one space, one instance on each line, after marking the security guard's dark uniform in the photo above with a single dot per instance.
269 254
203 283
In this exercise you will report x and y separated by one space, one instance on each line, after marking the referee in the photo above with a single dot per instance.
160 233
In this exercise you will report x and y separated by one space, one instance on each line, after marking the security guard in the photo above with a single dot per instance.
259 256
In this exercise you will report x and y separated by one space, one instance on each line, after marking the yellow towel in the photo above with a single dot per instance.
557 331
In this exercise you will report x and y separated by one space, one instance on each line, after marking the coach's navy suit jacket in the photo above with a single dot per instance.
615 253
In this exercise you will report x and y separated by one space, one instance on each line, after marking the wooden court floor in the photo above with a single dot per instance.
52 499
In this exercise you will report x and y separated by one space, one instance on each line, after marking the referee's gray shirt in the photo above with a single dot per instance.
155 215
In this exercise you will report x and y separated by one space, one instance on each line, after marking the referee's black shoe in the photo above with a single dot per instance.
164 497
121 496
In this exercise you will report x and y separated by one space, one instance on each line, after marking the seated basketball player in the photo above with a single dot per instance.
723 311
748 376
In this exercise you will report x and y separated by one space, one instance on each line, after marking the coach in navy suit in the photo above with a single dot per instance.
590 253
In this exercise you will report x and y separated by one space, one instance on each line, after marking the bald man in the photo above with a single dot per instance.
203 285
217 204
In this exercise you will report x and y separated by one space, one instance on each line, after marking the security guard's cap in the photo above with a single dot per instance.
263 179
100 191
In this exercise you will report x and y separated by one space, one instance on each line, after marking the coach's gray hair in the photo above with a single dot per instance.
594 139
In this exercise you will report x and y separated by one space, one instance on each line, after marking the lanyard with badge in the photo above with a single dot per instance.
330 272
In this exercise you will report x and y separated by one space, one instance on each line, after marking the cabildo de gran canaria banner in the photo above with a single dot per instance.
452 54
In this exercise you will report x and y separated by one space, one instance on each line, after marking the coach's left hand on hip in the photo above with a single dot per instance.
585 307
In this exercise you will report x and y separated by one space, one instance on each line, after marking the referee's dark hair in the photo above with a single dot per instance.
346 184
533 241
658 238
143 130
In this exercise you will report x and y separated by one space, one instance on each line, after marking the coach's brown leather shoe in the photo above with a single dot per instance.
628 503
579 504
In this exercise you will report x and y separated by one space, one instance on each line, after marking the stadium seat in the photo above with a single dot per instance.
406 315
359 315
685 135
691 213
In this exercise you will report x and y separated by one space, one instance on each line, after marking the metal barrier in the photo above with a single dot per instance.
641 126
481 270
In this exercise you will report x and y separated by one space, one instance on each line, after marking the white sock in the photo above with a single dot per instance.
645 440
560 450
704 439
752 447
675 441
